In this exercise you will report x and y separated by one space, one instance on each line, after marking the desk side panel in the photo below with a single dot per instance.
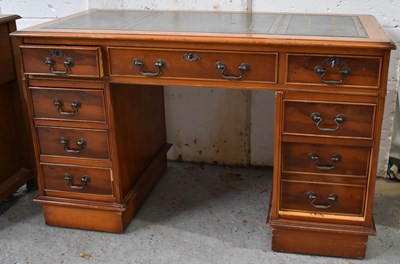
139 130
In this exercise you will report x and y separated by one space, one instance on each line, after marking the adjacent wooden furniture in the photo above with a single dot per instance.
15 166
94 81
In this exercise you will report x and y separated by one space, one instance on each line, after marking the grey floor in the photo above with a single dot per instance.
196 214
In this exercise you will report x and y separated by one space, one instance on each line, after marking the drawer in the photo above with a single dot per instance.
333 70
68 104
322 198
329 119
77 143
246 66
59 179
62 60
325 159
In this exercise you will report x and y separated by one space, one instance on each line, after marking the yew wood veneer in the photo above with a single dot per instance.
94 85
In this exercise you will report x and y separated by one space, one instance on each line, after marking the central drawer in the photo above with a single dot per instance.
77 143
213 65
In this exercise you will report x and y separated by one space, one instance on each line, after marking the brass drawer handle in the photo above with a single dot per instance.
335 158
321 71
68 63
75 105
331 200
85 180
243 67
317 118
81 145
158 64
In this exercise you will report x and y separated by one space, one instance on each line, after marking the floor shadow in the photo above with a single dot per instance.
225 203
11 200
19 208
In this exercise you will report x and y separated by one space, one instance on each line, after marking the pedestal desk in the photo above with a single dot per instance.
94 85
15 148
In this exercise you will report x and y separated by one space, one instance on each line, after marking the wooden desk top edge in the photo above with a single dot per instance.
377 38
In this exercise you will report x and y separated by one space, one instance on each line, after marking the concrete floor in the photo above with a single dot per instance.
196 214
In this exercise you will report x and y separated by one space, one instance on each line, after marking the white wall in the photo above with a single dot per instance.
227 126
38 11
237 5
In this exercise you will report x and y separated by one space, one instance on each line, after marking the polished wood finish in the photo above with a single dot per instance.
102 216
354 160
95 142
350 180
262 69
358 122
86 60
139 121
137 154
15 161
350 198
54 182
91 104
365 71
319 242
122 113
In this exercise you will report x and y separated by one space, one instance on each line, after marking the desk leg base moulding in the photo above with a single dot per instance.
333 243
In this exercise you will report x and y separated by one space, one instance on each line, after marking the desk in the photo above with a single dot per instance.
15 164
94 86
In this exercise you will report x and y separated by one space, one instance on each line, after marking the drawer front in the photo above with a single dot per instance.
68 104
322 198
75 179
261 67
329 119
325 159
77 143
333 70
62 61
